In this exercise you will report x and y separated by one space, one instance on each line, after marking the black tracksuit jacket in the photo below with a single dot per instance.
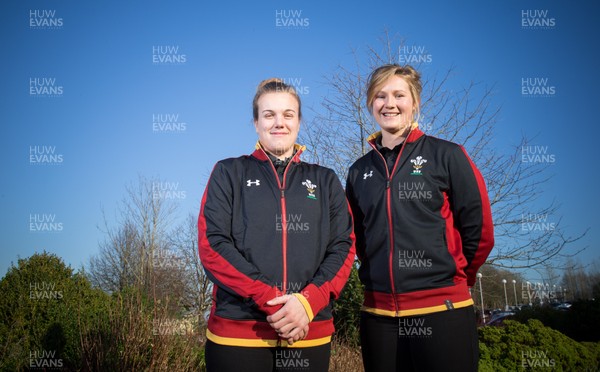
422 230
260 237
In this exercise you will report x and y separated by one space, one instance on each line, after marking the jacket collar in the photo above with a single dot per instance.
414 134
261 154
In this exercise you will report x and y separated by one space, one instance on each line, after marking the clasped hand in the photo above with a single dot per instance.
291 321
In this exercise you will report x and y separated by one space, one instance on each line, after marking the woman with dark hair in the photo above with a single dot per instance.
275 237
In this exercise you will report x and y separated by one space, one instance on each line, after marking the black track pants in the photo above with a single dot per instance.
443 341
222 358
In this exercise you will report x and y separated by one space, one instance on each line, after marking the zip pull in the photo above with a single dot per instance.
388 184
282 193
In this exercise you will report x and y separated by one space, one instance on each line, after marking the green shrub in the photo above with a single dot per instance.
532 346
41 307
346 311
51 319
580 322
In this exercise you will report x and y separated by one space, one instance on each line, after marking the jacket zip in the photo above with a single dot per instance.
281 186
283 220
390 225
388 203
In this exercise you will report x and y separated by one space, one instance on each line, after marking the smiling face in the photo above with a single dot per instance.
278 123
393 106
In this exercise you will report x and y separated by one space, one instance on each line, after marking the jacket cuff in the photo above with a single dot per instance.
306 305
471 275
471 279
315 298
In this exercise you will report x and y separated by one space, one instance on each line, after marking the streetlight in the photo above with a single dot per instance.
515 288
505 296
479 276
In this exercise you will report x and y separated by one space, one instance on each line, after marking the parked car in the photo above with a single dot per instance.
499 318
563 306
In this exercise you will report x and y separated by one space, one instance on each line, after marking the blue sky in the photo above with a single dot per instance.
101 57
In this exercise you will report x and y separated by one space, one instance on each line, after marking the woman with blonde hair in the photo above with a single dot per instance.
423 228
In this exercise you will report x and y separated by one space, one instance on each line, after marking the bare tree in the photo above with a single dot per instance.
114 268
579 283
337 135
198 287
132 252
146 250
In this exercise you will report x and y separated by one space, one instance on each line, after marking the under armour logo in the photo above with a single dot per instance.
366 175
250 183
